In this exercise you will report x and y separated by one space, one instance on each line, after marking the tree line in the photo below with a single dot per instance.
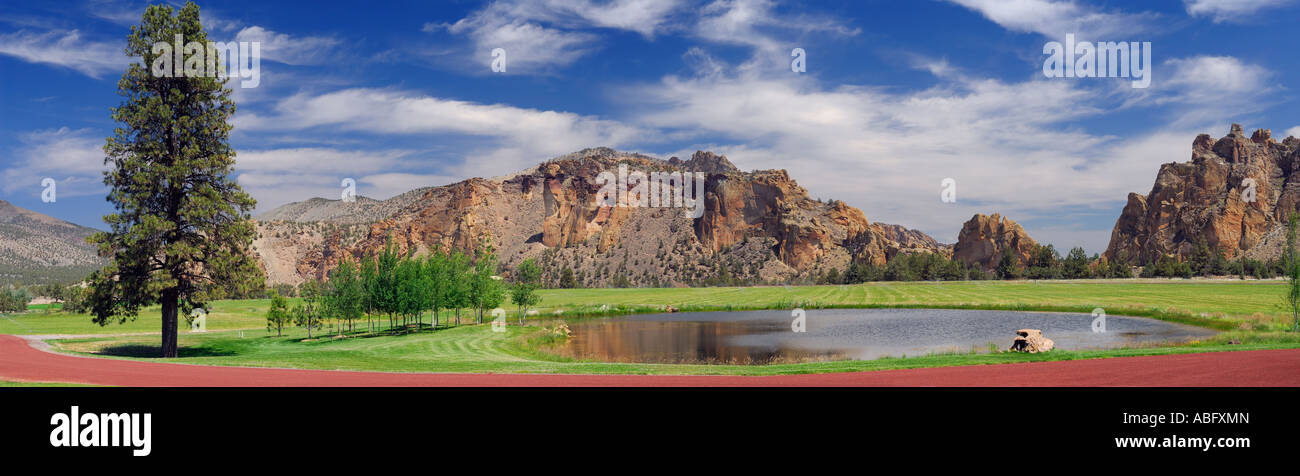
399 289
1045 262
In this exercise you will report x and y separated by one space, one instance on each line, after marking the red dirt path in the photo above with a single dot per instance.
20 361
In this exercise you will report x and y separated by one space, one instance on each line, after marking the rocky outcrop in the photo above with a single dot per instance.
1031 341
984 237
1207 199
704 161
760 226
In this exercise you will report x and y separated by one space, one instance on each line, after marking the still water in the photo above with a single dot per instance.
761 337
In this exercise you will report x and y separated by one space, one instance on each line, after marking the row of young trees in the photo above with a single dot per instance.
402 288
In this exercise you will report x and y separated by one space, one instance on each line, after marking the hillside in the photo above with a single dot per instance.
36 248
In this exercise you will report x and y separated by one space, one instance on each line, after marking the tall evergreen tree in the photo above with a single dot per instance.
181 224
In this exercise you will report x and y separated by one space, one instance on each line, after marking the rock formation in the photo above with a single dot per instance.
984 237
761 226
1031 341
1210 198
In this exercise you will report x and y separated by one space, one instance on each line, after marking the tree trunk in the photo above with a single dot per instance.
169 308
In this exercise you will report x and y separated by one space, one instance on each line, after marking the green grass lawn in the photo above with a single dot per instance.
243 314
1250 311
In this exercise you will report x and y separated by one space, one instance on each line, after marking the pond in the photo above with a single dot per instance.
762 337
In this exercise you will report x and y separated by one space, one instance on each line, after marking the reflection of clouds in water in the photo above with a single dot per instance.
764 336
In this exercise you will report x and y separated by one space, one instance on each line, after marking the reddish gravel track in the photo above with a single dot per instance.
20 361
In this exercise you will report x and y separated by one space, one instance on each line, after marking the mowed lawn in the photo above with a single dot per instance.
1251 312
243 314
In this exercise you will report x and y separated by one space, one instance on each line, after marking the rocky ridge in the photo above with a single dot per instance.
758 226
1207 198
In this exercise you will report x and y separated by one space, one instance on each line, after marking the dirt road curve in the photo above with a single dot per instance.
20 361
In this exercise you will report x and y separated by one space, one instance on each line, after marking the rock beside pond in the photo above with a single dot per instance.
1031 341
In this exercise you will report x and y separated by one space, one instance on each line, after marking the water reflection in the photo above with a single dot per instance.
681 342
763 337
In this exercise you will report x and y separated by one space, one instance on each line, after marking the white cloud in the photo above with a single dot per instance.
537 35
396 112
279 176
67 49
286 49
73 158
1209 89
528 46
1230 10
1056 18
754 23
1207 75
517 137
1293 132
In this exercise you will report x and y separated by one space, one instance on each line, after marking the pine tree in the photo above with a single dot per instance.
181 224
277 316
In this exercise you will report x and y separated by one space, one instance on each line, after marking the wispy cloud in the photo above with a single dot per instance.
521 135
283 48
73 158
551 33
279 176
1056 18
66 49
1205 90
1230 10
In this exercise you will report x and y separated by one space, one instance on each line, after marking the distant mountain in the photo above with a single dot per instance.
362 210
37 248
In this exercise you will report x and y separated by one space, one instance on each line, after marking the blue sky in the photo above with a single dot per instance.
896 97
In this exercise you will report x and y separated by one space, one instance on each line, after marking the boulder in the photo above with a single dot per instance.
1031 341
